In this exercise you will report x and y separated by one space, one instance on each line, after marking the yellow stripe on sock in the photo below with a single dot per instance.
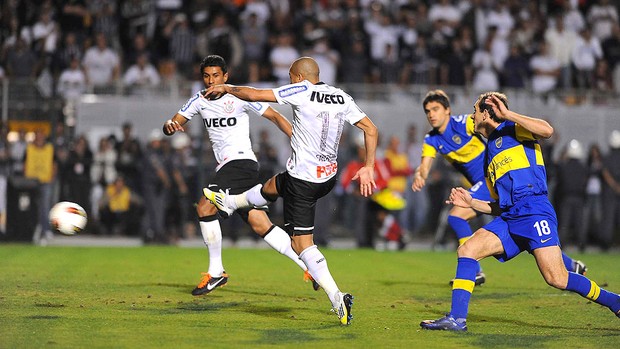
462 240
595 291
467 285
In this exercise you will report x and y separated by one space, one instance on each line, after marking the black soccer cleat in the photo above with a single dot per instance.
209 283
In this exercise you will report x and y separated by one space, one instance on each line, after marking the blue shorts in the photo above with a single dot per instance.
480 191
528 225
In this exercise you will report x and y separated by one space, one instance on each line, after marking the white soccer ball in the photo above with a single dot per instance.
68 218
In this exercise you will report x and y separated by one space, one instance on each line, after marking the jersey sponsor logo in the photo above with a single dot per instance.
457 139
327 170
220 122
498 142
256 106
325 98
328 157
229 107
189 103
292 90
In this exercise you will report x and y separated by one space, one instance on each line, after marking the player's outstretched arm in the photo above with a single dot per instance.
462 198
174 124
279 120
366 174
246 93
421 173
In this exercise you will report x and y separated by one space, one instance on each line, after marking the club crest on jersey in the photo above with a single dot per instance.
457 139
498 142
229 107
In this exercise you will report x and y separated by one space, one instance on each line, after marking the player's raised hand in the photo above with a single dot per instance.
172 126
459 197
366 176
498 106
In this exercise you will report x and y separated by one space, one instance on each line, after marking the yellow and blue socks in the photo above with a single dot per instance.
463 286
463 232
589 289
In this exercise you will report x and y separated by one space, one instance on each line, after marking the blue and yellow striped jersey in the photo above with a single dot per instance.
460 146
514 164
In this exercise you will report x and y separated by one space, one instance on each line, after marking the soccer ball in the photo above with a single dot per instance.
67 218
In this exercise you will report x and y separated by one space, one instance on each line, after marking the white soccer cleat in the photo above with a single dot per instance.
219 200
343 310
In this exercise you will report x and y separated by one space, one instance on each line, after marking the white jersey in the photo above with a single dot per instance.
319 114
228 123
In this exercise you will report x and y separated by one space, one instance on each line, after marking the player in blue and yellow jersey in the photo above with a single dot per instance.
454 138
515 173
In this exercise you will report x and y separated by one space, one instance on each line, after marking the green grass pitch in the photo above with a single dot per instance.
88 297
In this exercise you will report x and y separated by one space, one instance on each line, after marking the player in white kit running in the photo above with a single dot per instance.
227 120
320 112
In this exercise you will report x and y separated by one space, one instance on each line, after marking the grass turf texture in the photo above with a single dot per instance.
77 297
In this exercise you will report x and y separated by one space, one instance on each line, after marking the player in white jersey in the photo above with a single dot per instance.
320 112
227 120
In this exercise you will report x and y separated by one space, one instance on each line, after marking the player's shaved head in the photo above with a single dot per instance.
307 68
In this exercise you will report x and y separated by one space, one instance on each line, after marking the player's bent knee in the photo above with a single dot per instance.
557 280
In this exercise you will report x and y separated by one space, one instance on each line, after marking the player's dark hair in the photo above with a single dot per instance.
482 105
214 61
436 96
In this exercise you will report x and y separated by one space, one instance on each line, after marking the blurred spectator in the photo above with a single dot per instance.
611 192
102 64
105 20
185 161
357 63
182 44
74 17
571 191
176 206
602 16
72 81
381 33
573 18
69 49
414 215
141 75
485 73
14 32
456 66
561 43
156 186
140 47
611 52
545 70
77 174
327 58
40 164
282 54
120 208
137 16
586 53
222 39
254 37
18 153
603 77
593 206
5 172
45 33
129 157
499 17
21 61
267 156
516 69
102 172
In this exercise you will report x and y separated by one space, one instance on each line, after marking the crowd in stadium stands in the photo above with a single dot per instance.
97 45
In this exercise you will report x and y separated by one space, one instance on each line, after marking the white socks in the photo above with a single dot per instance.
317 266
279 240
249 198
212 235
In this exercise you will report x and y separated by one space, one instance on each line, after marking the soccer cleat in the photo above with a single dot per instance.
209 283
480 279
344 308
446 323
219 200
580 267
308 277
